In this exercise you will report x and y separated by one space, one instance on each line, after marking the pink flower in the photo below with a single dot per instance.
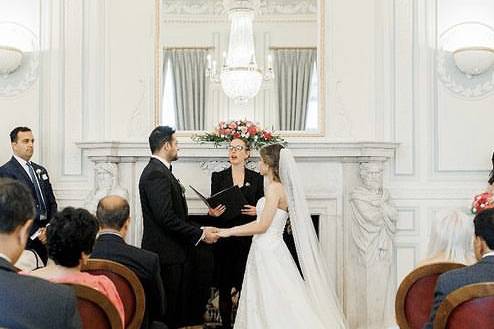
227 131
252 130
232 125
267 135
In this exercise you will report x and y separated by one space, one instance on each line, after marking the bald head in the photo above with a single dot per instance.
113 212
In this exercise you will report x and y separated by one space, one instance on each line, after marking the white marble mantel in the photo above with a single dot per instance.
343 151
331 171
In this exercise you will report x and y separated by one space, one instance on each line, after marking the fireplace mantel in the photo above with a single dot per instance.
339 151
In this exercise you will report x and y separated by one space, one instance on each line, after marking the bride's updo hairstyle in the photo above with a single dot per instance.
270 154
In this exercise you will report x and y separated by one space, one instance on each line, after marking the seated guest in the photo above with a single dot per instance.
451 239
27 302
71 235
482 271
113 216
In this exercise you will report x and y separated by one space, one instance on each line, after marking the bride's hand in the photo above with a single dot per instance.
224 233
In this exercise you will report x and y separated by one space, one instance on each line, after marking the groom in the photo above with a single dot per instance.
167 230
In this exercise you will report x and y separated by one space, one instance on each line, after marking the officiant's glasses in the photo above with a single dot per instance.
236 148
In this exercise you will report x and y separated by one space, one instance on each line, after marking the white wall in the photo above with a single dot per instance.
22 109
445 140
97 76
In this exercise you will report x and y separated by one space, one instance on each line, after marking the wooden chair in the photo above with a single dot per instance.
95 309
469 307
415 295
128 287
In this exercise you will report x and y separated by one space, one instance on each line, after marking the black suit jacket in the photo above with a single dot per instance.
253 190
144 264
14 169
167 230
483 271
31 303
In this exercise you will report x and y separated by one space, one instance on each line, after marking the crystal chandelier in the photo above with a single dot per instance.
240 77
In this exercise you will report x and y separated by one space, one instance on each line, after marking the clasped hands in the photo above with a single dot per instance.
213 234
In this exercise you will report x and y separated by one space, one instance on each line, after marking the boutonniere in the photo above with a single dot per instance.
247 184
41 174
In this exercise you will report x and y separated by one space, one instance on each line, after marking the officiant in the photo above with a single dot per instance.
230 255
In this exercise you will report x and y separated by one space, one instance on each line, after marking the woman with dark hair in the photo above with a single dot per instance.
70 239
230 255
274 294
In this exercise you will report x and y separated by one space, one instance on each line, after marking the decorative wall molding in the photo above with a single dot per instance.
23 77
214 10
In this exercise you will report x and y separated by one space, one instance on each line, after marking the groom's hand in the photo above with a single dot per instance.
211 235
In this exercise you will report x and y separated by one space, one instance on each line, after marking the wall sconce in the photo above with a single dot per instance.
10 60
474 60
465 59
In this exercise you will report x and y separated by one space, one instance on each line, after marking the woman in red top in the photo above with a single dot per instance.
70 240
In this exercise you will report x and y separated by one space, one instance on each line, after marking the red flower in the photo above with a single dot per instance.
252 130
267 135
236 135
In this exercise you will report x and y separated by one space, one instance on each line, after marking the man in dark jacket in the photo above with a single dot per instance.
113 214
35 177
482 271
167 229
27 302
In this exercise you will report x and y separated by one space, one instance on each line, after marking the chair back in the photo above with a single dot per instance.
415 295
95 309
128 287
471 306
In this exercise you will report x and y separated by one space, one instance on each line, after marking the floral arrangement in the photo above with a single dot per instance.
224 132
482 201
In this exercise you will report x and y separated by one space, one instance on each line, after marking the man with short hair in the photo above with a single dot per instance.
167 229
27 302
482 271
35 177
113 213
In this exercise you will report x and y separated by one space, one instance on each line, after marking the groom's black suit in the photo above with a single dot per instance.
168 232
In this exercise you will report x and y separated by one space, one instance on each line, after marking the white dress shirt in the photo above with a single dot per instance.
7 258
23 164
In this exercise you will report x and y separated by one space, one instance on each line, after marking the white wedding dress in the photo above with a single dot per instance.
274 294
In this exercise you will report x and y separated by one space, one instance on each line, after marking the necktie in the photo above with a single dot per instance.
170 168
37 190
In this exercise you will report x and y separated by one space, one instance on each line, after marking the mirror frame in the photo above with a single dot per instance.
321 54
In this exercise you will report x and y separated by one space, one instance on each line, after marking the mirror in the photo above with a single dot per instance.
287 36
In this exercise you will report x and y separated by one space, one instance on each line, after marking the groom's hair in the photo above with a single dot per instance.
270 154
159 136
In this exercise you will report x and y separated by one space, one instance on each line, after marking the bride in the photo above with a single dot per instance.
274 294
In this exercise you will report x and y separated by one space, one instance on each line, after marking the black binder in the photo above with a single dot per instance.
231 197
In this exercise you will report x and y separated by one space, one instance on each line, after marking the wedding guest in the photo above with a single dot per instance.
230 255
27 302
113 214
36 178
451 239
71 236
482 271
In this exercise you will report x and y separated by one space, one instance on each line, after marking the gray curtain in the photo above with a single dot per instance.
189 77
293 71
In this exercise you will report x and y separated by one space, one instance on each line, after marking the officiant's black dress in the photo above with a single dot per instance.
230 254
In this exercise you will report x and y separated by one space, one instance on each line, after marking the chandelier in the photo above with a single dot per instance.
240 76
